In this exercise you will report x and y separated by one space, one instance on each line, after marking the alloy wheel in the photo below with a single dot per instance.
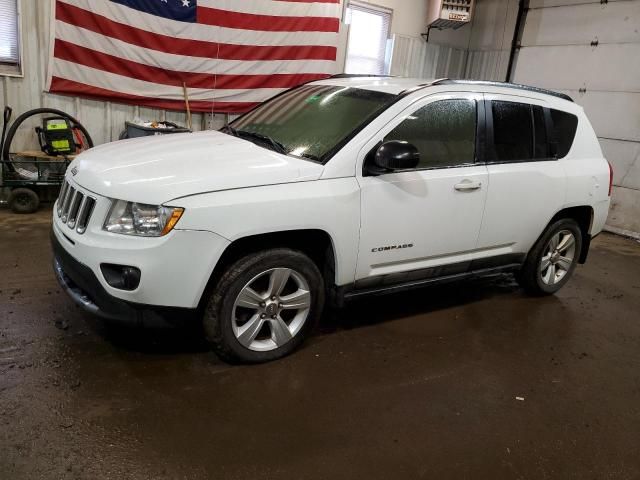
271 309
558 257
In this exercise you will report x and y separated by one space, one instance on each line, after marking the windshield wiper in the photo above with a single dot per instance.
229 129
310 156
275 145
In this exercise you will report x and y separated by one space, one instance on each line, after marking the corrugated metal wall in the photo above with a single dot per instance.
413 57
490 39
487 65
104 120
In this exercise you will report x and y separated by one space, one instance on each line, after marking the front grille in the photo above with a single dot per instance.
66 204
74 207
85 214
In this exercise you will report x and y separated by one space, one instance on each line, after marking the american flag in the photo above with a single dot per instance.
231 54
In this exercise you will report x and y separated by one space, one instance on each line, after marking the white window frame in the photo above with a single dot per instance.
15 70
378 8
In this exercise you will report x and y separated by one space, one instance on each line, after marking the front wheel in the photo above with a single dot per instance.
552 259
264 306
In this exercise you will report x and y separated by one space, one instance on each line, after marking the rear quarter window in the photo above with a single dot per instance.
563 131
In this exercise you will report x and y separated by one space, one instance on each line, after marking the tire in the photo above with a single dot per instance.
250 328
547 268
23 200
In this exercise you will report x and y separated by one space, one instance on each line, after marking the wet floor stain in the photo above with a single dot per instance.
473 380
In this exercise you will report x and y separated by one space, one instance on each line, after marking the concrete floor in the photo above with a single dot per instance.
425 384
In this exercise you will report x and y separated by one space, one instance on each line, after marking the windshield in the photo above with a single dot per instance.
311 121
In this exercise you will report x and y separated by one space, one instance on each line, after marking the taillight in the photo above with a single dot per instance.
610 178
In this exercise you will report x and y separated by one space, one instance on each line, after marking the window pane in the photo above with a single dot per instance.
563 131
540 134
311 120
368 34
444 133
9 32
512 131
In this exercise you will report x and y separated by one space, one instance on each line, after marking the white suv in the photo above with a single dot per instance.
332 190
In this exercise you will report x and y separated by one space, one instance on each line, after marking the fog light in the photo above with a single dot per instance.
122 277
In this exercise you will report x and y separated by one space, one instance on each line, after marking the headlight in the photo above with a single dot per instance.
132 218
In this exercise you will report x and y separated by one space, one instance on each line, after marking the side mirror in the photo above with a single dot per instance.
396 155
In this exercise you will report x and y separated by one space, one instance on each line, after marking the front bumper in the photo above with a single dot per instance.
84 288
175 268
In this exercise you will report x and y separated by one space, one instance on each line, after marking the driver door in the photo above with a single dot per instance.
424 222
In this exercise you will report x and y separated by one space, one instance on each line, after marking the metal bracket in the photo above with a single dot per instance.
426 34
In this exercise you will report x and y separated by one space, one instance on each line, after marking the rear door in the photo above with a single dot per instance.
526 180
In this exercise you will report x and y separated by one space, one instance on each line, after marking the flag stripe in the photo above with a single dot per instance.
268 23
111 63
282 8
206 33
135 86
102 44
71 87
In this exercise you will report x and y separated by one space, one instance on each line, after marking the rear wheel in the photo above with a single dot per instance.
264 306
23 200
552 259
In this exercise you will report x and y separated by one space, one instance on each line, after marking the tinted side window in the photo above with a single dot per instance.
541 145
512 131
444 133
563 131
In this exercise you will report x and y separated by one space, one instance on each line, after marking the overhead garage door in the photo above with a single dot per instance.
591 50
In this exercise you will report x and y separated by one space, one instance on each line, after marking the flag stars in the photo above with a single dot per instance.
186 3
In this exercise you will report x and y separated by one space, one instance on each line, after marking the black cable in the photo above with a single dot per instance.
7 118
14 128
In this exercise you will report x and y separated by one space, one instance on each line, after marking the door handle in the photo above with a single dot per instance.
467 186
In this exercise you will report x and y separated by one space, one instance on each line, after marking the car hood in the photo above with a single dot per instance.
159 169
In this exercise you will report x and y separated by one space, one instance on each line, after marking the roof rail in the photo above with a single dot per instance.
409 91
486 83
356 75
